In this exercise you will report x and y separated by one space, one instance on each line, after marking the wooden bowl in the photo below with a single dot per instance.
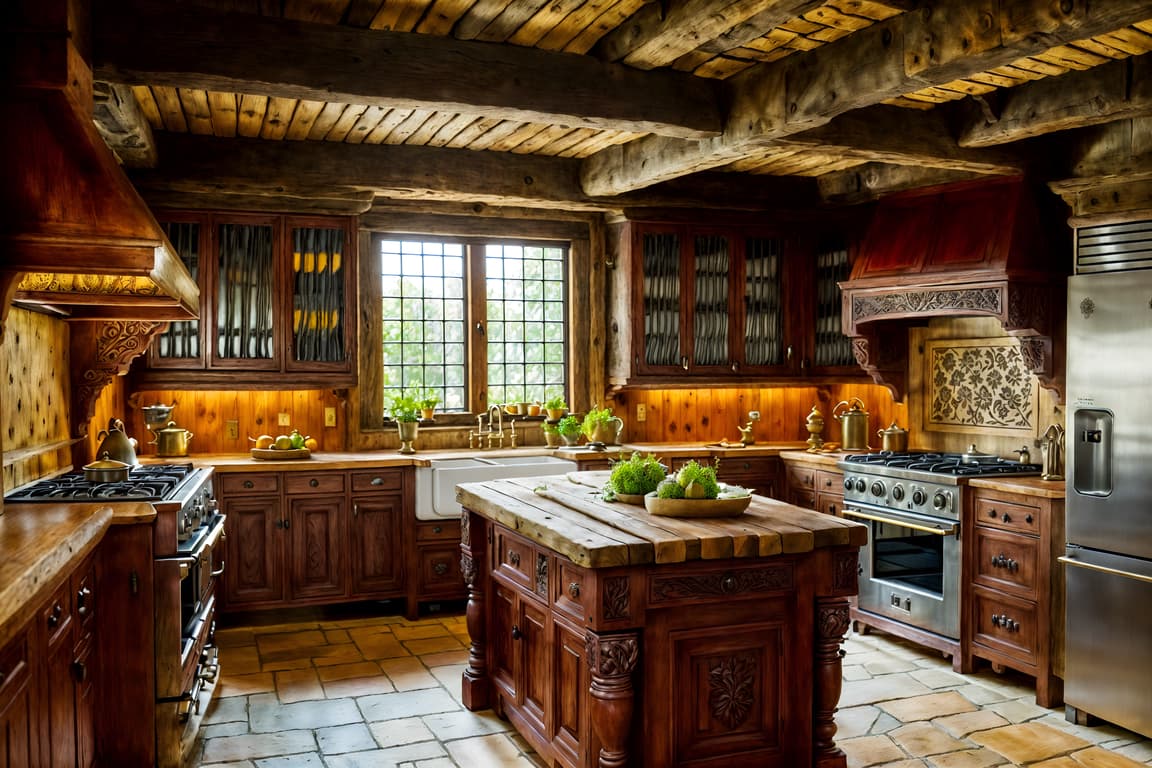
631 498
280 454
696 507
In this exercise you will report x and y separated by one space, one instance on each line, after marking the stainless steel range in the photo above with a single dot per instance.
910 568
186 565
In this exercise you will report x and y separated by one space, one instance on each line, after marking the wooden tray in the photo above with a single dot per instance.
279 454
696 507
630 498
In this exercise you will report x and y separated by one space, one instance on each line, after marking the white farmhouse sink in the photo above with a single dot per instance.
436 484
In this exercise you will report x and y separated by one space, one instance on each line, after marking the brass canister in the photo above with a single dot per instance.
853 424
894 439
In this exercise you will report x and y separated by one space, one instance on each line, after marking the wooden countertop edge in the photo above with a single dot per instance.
1028 486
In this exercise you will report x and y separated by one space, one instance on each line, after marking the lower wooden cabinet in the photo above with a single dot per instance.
1014 586
437 567
761 474
19 719
814 485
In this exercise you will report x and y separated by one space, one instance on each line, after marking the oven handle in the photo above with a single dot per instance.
951 529
214 537
185 564
1077 563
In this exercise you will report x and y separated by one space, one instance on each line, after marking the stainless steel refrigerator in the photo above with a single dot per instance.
1108 562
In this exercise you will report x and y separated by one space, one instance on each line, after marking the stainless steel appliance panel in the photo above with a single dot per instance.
1108 668
1109 413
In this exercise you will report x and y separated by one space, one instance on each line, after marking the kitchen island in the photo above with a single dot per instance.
610 637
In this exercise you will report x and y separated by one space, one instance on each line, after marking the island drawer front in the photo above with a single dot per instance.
1007 515
240 484
827 482
314 482
13 665
56 618
1005 623
380 480
1007 561
801 478
514 558
448 530
570 593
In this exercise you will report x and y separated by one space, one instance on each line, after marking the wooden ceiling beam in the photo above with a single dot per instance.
933 45
178 46
1113 91
870 182
122 125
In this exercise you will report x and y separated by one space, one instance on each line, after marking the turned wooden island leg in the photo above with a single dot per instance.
475 685
611 660
831 625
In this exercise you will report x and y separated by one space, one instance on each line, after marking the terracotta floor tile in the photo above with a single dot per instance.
445 657
1029 742
939 678
241 659
420 631
1017 710
382 648
433 645
855 721
928 706
969 758
1095 757
268 715
882 689
922 739
871 750
310 760
888 666
335 654
348 670
272 642
243 685
462 725
407 730
257 745
234 708
231 764
223 729
298 685
304 662
232 637
408 674
439 762
339 739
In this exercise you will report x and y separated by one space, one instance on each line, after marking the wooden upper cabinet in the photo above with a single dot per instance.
275 298
723 302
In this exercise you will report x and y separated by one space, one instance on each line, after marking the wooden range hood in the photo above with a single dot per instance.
75 235
970 249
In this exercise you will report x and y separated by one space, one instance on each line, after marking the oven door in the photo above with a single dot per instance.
910 568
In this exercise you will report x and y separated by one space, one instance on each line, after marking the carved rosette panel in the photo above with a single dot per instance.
1028 309
468 569
731 688
105 285
617 597
465 527
611 655
777 578
101 351
542 575
832 620
928 303
846 569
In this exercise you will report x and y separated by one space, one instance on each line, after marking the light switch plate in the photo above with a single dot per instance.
284 419
641 412
232 429
329 417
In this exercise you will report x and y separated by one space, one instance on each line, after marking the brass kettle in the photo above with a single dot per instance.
115 444
853 424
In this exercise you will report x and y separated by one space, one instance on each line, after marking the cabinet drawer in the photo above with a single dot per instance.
1007 515
570 593
1006 561
314 482
829 482
240 484
801 478
440 571
13 665
1005 623
379 480
514 558
449 530
56 616
83 592
803 498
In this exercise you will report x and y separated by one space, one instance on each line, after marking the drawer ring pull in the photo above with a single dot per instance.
574 590
249 484
514 557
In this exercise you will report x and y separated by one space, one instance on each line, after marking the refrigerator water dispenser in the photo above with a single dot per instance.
1092 452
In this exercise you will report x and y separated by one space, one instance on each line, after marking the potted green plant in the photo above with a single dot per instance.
551 436
633 477
428 402
405 411
600 426
569 429
555 407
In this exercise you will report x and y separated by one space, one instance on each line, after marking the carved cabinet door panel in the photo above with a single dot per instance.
570 723
255 550
318 547
376 553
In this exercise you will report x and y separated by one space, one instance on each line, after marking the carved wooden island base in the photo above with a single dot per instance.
610 637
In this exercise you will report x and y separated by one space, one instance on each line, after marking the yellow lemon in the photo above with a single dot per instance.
694 490
311 444
283 443
265 441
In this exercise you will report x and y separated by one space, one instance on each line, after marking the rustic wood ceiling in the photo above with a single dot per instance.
611 104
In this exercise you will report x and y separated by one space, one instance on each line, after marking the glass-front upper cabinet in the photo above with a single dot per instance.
275 298
660 282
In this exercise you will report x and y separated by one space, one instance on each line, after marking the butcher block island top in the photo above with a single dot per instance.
611 637
568 515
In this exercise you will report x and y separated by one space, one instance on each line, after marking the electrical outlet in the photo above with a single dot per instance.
284 419
641 412
329 417
232 429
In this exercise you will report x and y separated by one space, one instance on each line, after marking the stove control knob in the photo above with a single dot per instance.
898 492
877 488
848 484
860 485
919 497
941 501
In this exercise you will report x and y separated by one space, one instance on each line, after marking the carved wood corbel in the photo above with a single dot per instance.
100 351
883 359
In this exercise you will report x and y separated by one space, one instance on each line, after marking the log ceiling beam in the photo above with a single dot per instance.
1114 91
358 175
122 125
148 43
866 183
926 47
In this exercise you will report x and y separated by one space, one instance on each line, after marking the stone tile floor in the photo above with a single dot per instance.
337 690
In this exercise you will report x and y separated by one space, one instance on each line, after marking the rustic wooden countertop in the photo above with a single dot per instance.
1028 486
568 515
825 458
43 542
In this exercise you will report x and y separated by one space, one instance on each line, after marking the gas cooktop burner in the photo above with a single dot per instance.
942 463
152 482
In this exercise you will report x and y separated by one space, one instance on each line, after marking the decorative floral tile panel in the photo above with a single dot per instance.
979 385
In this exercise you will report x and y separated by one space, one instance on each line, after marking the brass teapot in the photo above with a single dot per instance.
853 424
116 445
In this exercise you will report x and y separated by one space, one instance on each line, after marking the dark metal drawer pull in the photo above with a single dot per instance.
440 569
574 590
514 557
